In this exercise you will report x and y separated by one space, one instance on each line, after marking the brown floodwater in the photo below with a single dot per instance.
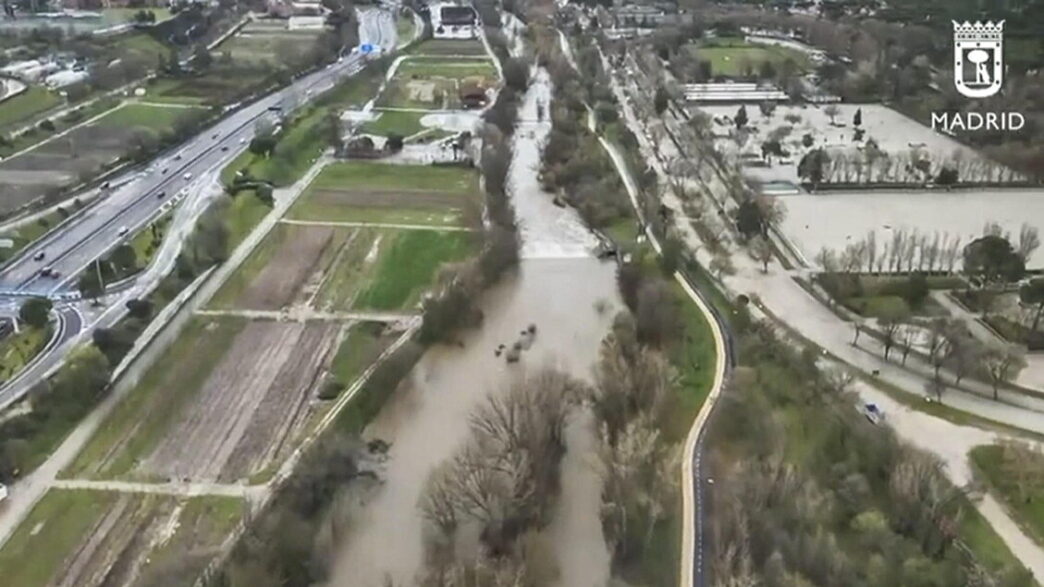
571 297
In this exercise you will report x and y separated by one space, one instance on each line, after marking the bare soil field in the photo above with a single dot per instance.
65 160
249 406
394 206
280 281
75 538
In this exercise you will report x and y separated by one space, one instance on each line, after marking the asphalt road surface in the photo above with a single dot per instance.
139 196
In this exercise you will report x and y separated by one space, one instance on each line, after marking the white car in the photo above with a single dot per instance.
123 230
3 492
187 176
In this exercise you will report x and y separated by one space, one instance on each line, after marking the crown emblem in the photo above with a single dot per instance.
978 31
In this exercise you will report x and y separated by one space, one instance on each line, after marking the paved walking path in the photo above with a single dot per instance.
778 292
788 301
1032 376
380 225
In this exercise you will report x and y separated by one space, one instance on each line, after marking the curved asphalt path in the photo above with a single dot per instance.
139 196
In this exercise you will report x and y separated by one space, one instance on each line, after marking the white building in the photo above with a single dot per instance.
454 21
64 78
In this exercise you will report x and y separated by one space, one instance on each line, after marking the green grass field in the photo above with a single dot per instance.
58 525
448 47
407 266
404 29
143 417
733 57
390 177
404 124
158 118
1018 480
457 186
360 347
455 68
20 109
16 350
53 528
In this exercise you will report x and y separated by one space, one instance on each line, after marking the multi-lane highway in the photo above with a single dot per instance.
141 195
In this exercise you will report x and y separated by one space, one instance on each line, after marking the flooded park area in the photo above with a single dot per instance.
570 298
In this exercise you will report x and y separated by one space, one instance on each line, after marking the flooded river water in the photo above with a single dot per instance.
571 297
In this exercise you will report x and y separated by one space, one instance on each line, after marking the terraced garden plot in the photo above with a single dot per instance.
392 194
82 537
224 403
145 415
277 272
426 82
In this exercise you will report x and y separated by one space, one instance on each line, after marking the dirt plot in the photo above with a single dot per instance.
67 159
393 206
75 538
252 403
280 281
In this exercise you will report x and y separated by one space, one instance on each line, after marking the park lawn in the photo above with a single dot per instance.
448 68
18 349
50 532
989 548
1024 497
158 118
144 416
389 122
408 177
728 56
360 347
693 355
407 265
168 91
404 28
21 108
246 212
449 47
204 523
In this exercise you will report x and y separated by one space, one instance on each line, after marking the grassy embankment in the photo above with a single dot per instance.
61 523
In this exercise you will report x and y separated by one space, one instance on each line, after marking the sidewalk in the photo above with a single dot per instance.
783 297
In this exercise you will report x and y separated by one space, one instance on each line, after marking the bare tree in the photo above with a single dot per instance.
1003 363
1029 241
762 251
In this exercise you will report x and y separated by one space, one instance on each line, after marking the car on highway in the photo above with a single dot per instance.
187 176
161 194
177 157
48 272
224 147
215 135
39 256
3 493
123 231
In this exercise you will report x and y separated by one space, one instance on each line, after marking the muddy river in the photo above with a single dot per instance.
571 297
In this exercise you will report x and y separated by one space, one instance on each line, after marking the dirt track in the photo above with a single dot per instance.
279 282
249 406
